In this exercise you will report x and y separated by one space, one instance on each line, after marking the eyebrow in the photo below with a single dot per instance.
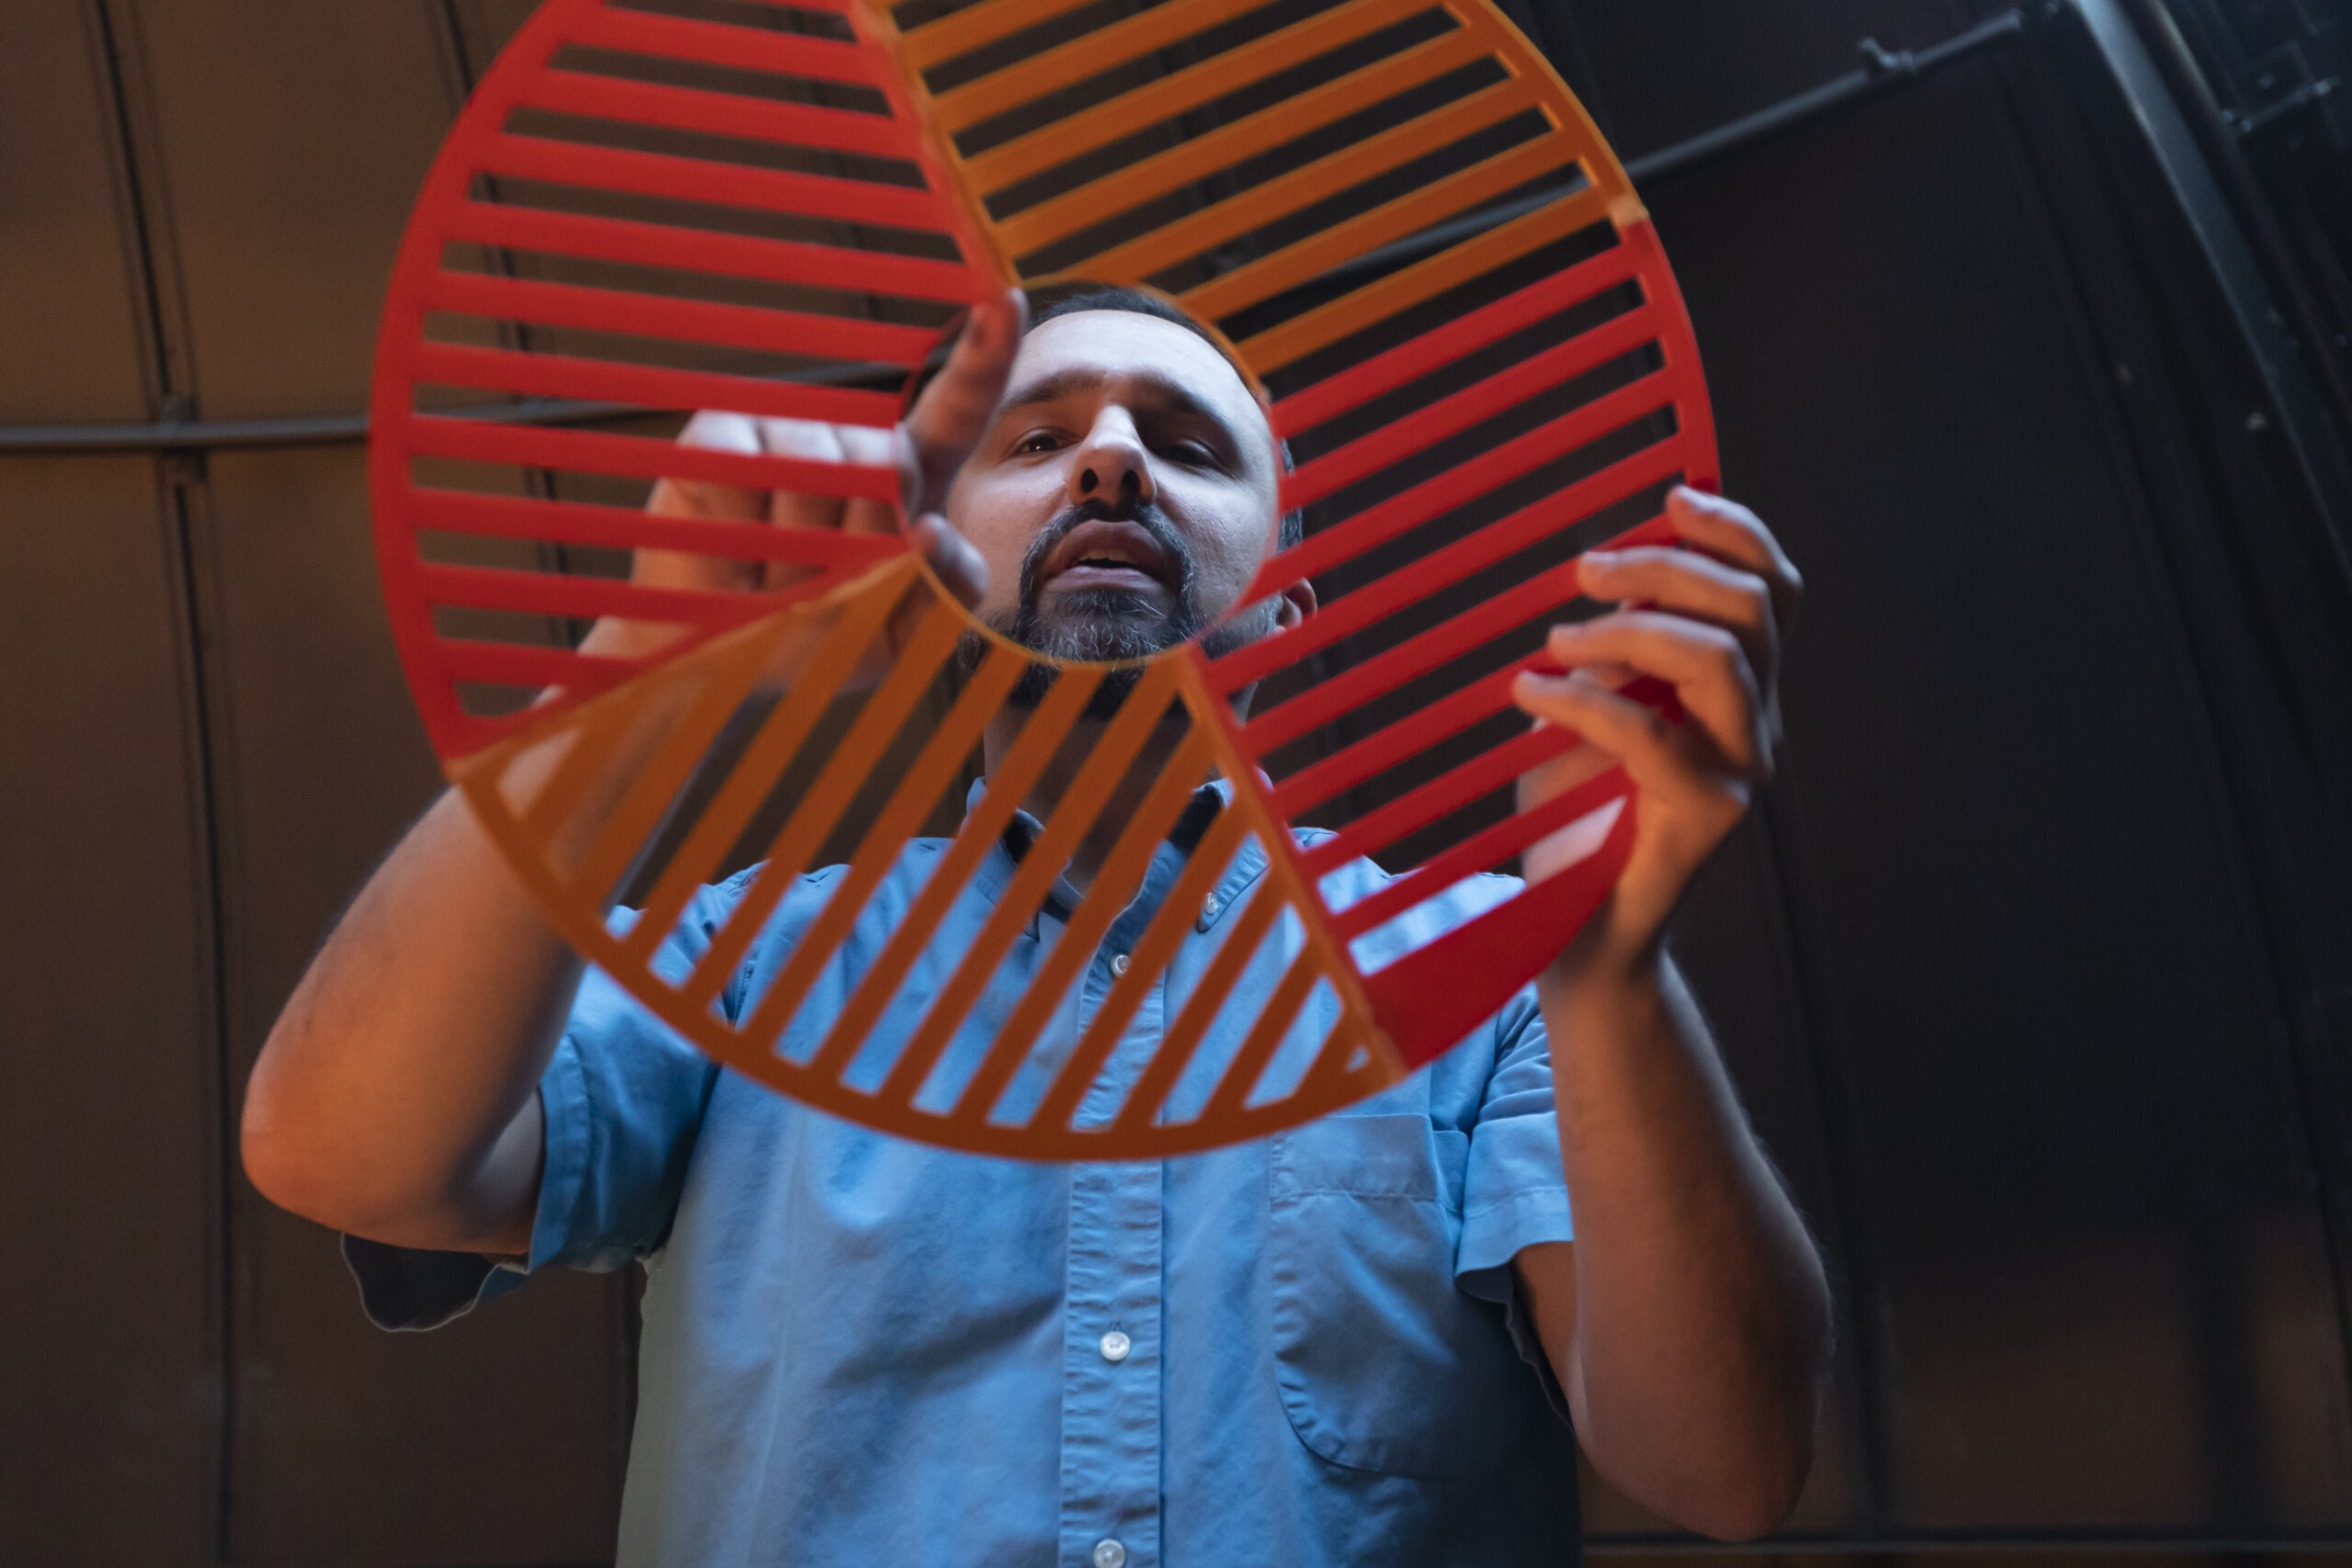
1165 389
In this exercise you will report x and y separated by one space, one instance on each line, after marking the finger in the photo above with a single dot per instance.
699 498
1684 582
960 568
866 446
1693 585
954 412
1631 732
1730 532
810 441
1705 665
1656 753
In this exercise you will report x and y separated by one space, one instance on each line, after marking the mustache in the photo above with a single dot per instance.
1144 514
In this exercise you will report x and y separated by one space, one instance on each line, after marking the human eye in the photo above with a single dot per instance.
1192 453
1034 442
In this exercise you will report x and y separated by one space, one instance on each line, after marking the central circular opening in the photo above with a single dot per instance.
1124 494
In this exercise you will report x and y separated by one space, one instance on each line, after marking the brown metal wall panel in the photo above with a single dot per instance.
109 1391
496 1441
69 312
295 136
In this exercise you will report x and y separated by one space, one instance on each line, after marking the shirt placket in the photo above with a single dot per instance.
1111 1344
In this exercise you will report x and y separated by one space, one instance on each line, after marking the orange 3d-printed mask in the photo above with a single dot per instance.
1413 242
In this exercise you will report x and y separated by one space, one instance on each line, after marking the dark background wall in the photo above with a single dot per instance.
2036 966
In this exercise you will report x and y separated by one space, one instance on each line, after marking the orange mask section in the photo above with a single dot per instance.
1409 236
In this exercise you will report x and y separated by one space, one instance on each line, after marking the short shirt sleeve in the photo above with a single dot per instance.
1514 1192
623 1099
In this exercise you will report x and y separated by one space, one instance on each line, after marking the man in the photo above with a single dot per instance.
1328 1347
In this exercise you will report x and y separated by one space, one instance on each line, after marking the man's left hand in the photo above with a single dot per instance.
1707 618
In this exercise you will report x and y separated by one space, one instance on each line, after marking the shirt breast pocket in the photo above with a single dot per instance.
1383 1363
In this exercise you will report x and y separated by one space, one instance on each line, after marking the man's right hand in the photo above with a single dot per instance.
395 1098
927 448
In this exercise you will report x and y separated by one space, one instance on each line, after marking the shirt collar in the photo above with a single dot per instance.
1062 900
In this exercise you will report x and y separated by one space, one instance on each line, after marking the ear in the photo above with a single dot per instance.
1296 604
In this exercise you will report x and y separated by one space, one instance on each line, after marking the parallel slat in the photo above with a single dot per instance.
626 527
1425 426
1116 883
1373 678
511 664
779 738
1073 818
1451 791
1442 568
1483 850
1041 738
1035 152
1456 339
1392 220
1146 961
700 250
1241 1075
582 164
624 834
724 44
1416 732
637 457
1181 1039
968 30
879 720
585 598
1097 51
934 771
1214 151
1302 187
1401 290
1464 482
625 313
649 387
720 114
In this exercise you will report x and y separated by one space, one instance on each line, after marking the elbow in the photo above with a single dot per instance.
1755 1505
286 1155
274 1159
1754 1491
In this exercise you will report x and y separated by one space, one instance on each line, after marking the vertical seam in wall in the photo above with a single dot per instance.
2258 914
162 316
1792 907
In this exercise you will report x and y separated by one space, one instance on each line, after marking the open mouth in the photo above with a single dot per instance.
1109 555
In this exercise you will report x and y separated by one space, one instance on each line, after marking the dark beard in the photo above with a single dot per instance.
1103 625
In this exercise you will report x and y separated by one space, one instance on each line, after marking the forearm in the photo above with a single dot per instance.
394 1097
1701 1320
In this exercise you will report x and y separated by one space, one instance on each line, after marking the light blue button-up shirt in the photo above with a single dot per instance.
1306 1349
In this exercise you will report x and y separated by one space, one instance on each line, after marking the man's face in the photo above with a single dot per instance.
1125 493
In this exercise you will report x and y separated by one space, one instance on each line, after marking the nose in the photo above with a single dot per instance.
1111 465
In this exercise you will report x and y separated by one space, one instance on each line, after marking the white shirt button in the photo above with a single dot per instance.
1209 909
1119 967
1109 1554
1115 1345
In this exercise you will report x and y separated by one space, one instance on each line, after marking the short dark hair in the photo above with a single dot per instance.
1068 298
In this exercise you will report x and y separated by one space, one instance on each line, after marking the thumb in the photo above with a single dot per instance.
953 412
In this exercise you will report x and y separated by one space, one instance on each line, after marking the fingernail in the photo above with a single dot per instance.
1603 559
